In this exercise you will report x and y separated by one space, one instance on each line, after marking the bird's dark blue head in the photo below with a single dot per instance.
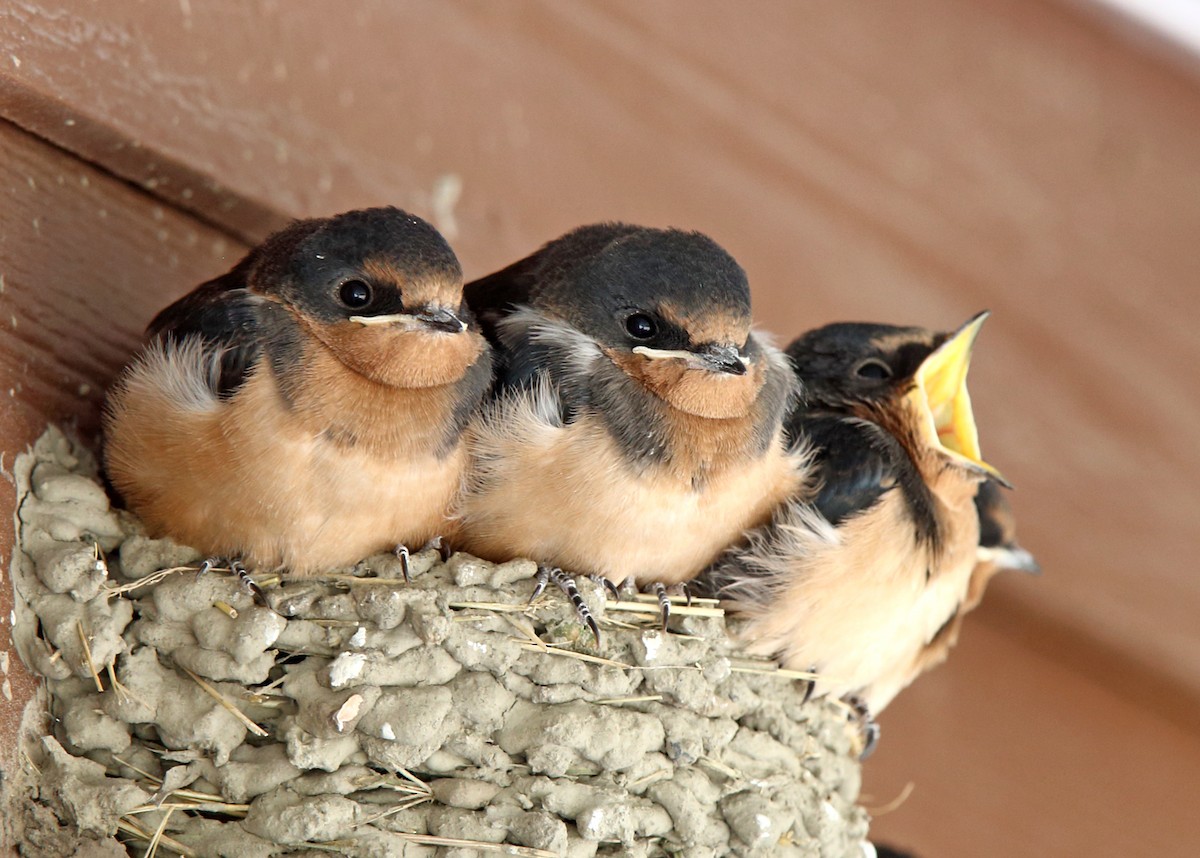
379 287
671 309
911 381
849 363
364 264
656 293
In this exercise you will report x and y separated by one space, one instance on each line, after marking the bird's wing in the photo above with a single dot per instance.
530 347
494 299
536 353
855 462
497 295
225 317
998 530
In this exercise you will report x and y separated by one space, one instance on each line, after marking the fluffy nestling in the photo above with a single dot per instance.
636 427
858 578
307 408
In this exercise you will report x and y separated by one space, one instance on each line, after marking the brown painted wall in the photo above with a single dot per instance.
905 162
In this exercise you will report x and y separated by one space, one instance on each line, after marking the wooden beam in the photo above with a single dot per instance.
85 261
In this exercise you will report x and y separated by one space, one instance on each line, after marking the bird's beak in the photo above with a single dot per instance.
940 394
712 357
719 358
1010 557
436 318
441 319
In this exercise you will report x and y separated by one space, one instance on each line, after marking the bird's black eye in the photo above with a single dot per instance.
640 326
873 369
354 294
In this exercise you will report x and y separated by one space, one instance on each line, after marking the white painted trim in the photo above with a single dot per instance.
1177 20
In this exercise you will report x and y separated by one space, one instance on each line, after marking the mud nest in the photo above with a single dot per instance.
358 715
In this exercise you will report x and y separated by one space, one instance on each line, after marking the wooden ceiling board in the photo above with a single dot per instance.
85 262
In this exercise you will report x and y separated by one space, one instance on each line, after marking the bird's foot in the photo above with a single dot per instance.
628 589
441 545
811 687
401 552
438 544
664 593
238 570
607 585
208 565
868 728
664 601
552 574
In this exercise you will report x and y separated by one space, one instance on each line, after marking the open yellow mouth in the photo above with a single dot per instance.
941 396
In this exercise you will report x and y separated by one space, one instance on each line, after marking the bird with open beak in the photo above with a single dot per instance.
636 428
307 408
858 575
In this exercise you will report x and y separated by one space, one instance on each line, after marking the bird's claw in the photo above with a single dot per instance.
239 571
811 686
609 586
868 728
440 545
664 593
664 602
401 552
539 583
628 589
548 574
437 543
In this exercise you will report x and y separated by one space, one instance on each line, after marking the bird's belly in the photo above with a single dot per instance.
566 497
241 478
358 504
861 610
868 651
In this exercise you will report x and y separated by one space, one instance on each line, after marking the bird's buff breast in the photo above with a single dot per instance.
563 495
860 609
245 478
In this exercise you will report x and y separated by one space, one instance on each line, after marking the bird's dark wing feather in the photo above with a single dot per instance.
998 529
225 316
493 297
855 463
996 526
520 360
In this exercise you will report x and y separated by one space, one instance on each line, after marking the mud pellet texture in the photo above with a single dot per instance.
360 715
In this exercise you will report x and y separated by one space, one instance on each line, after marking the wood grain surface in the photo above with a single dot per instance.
85 261
907 162
1025 758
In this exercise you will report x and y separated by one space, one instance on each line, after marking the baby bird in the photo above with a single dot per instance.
998 551
307 408
998 548
636 427
857 577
